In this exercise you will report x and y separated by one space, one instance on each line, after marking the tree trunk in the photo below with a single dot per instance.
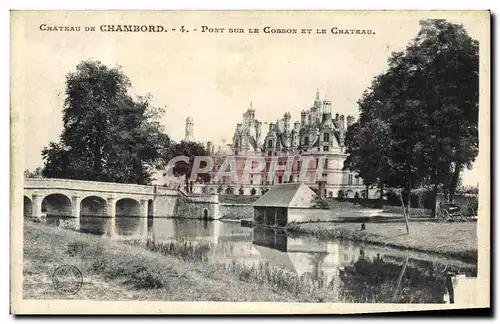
409 193
454 181
434 198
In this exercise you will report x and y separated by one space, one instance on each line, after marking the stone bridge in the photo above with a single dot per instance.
75 198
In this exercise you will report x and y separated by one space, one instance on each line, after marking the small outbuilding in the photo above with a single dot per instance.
282 204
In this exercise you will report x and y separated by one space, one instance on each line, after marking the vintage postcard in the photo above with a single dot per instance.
249 162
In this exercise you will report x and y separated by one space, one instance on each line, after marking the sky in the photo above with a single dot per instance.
211 77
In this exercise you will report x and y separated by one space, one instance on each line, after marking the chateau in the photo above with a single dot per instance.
310 151
313 144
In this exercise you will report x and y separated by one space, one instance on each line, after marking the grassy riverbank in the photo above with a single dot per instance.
451 239
119 271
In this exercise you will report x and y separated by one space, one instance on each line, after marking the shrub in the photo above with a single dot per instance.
320 203
76 248
253 192
474 204
393 198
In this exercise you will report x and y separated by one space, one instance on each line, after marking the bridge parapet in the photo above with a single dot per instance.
68 184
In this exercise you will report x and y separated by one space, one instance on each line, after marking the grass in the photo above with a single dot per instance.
451 239
300 287
233 199
155 271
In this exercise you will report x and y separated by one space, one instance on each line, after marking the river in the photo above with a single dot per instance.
358 272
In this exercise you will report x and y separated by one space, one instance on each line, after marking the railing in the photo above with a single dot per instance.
50 183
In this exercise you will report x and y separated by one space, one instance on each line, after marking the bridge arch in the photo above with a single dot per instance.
27 206
128 207
93 206
349 193
56 204
150 207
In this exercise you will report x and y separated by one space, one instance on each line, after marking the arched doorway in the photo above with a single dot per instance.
93 206
56 205
128 207
27 207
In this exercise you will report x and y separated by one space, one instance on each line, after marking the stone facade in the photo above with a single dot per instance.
313 144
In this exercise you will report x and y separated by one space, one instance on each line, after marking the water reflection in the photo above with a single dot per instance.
352 272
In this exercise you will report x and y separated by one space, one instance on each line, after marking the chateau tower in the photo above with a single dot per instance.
317 101
189 130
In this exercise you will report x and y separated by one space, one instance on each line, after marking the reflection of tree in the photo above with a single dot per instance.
376 281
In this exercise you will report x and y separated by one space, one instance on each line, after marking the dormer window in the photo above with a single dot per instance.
326 137
270 143
306 140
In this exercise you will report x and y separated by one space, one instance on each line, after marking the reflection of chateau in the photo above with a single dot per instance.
320 261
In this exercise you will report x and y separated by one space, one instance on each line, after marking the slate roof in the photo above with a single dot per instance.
297 195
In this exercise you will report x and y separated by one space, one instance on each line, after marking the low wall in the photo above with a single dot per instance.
299 215
414 212
164 206
197 206
236 211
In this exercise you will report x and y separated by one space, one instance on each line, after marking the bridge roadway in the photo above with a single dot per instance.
74 198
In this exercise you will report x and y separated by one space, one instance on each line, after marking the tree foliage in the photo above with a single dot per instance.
418 121
37 173
108 135
191 150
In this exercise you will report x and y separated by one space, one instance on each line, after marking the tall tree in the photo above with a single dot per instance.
429 99
190 150
108 135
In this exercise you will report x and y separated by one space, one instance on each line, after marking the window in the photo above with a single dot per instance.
350 179
306 140
326 163
251 179
280 179
325 148
317 163
235 152
326 137
269 153
298 165
270 143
